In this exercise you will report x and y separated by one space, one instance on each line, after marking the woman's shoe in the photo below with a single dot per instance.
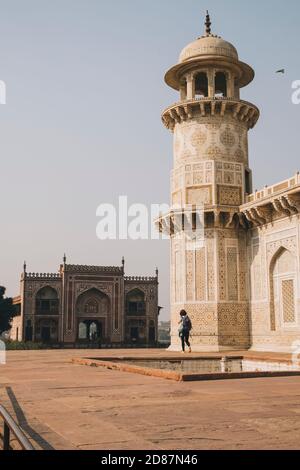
190 349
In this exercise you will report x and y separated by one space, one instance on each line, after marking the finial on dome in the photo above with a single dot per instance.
208 24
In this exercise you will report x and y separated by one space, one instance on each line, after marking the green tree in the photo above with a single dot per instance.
7 311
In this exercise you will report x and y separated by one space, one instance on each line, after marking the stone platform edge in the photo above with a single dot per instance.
112 364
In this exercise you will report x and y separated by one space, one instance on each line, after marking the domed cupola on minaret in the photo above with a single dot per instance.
210 124
209 68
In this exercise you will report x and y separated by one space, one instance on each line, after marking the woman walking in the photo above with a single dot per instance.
185 326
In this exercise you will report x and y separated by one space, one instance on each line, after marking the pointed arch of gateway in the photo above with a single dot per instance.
135 321
283 289
93 308
47 301
135 302
47 310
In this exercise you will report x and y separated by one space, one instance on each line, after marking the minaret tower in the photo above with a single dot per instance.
210 124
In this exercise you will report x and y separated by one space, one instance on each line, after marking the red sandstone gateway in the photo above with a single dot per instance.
92 306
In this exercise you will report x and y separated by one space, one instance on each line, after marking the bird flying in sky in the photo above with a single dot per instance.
280 71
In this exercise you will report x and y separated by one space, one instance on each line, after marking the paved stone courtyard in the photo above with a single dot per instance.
66 406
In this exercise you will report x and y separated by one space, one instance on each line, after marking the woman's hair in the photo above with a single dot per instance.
183 313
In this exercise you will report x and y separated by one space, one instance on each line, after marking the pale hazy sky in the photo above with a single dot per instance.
82 122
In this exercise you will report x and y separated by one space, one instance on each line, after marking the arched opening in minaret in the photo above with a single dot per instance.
201 85
248 183
220 85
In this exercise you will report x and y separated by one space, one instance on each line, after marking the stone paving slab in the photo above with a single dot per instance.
65 406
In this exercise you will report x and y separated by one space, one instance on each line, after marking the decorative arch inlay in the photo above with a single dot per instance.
282 279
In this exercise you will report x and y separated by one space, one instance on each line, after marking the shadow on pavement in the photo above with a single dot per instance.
22 421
